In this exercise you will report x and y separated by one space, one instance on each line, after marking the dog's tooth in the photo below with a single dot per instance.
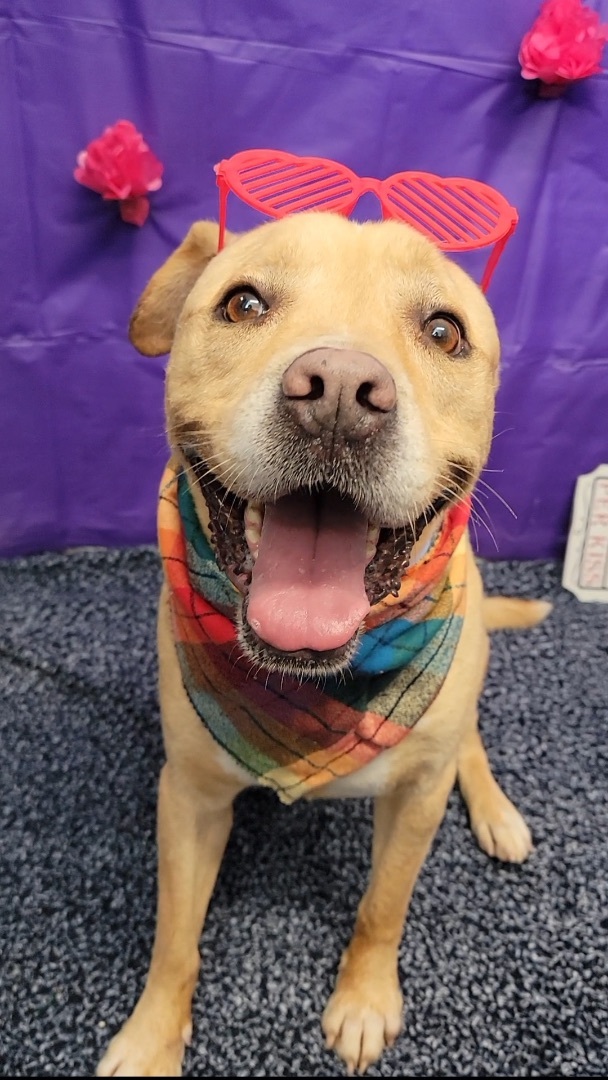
253 527
253 514
252 536
371 544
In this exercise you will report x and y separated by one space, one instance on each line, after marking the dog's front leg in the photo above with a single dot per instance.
364 1013
193 828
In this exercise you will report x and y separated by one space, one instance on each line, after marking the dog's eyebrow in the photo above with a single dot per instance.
427 296
419 286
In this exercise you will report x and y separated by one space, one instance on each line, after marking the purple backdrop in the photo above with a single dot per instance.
382 86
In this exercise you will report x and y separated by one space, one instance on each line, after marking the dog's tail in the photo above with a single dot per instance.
511 613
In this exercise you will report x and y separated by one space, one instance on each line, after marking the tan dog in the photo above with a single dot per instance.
318 351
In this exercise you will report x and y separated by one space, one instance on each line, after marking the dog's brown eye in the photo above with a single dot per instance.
243 306
445 332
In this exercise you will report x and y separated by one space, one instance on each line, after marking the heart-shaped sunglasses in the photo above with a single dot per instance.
456 214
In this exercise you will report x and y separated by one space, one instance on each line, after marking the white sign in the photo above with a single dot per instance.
586 563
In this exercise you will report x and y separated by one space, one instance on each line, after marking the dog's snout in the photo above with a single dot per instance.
339 390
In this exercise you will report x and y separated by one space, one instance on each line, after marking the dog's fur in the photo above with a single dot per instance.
329 283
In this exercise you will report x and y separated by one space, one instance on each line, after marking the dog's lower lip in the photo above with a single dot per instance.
310 654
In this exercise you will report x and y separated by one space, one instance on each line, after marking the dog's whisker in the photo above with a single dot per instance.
474 527
503 432
498 496
488 530
475 521
487 524
233 477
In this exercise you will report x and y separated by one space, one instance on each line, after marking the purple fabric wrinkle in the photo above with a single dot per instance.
422 84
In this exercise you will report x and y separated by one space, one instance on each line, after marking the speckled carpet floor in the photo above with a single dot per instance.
504 968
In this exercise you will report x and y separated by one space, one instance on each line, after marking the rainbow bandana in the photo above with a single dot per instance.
292 736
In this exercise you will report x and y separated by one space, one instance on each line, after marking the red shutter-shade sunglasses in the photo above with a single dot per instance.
456 214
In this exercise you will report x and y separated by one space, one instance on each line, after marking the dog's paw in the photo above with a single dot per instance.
501 830
359 1024
145 1049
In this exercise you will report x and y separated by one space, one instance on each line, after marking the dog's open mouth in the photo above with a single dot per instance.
309 567
310 555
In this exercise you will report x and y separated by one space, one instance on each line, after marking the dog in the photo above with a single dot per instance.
330 402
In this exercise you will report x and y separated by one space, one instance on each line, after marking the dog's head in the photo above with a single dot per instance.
331 389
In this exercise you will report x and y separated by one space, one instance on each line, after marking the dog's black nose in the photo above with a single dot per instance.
339 390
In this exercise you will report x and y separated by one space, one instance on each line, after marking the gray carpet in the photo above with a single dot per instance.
504 968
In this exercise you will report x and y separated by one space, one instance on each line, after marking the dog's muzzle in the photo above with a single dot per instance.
308 554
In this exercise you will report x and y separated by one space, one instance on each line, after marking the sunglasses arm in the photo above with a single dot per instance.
492 262
222 185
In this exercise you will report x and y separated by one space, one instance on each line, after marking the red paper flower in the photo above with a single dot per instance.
564 44
120 165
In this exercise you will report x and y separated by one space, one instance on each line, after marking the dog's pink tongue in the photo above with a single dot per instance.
307 589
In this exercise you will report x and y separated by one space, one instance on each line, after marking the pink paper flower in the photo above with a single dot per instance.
120 165
564 44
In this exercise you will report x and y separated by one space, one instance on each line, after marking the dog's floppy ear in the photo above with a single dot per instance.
153 323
